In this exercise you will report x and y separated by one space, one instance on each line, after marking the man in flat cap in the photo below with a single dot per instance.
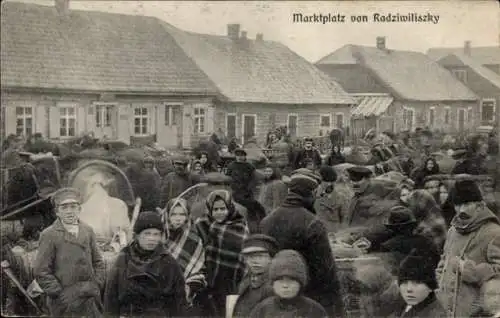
69 267
294 225
308 157
176 181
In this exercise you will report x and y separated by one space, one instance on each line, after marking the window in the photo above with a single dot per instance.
103 115
470 116
67 121
432 113
141 121
324 121
292 125
408 118
24 121
339 120
231 125
488 109
199 120
172 114
460 74
447 115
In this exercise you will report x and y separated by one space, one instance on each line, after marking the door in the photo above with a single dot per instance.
249 125
461 119
106 121
292 125
169 122
231 126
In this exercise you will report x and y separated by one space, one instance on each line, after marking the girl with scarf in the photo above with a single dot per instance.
222 231
336 157
145 280
274 191
185 245
430 167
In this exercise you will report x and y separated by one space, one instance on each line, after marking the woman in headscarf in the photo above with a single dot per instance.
273 191
145 280
186 246
222 231
336 157
430 167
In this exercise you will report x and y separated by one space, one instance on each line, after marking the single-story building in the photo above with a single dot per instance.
425 94
264 85
65 72
481 80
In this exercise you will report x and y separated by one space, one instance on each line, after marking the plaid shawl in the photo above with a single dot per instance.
223 242
428 214
186 246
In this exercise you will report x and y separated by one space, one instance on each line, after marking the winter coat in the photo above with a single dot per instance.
332 208
295 227
304 157
272 194
250 296
471 165
145 284
242 179
174 184
335 158
70 270
429 307
479 242
146 185
294 308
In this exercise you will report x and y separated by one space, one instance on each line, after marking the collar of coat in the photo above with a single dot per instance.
81 239
421 305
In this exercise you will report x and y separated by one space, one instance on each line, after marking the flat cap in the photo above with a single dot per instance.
357 173
65 195
260 243
240 151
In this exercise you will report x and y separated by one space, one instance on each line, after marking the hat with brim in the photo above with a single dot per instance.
240 152
66 195
254 249
400 216
359 172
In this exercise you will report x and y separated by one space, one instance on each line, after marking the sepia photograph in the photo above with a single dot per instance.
227 159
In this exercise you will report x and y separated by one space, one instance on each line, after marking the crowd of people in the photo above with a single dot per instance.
273 240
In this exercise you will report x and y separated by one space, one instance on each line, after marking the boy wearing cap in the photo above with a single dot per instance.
471 255
69 267
258 251
288 275
417 282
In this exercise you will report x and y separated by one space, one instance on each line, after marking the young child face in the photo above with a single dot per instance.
414 292
149 239
286 287
405 195
177 217
68 211
258 262
268 172
220 211
203 159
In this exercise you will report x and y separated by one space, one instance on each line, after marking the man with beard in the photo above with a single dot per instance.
295 226
177 181
475 157
308 157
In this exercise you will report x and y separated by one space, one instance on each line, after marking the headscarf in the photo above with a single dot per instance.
185 245
223 241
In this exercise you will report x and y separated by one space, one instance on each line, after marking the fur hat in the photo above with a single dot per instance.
418 269
327 173
303 180
148 220
357 173
465 191
260 243
289 263
400 217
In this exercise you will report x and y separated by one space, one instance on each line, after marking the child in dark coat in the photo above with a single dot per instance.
258 251
417 282
288 274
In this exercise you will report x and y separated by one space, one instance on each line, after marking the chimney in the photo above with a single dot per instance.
259 37
62 6
467 48
381 42
233 31
243 35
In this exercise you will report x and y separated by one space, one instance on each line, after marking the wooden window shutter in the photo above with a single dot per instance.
10 120
54 122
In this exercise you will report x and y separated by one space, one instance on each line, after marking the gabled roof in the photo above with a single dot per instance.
259 71
482 71
485 55
409 75
93 51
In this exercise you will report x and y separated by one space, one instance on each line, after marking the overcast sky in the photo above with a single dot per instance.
477 21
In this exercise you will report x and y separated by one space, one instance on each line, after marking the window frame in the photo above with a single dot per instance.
243 141
169 109
198 116
343 120
296 115
494 101
68 117
413 117
24 117
235 124
141 117
105 109
329 116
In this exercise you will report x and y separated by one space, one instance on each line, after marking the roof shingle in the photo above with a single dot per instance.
259 71
482 71
93 51
410 75
485 55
